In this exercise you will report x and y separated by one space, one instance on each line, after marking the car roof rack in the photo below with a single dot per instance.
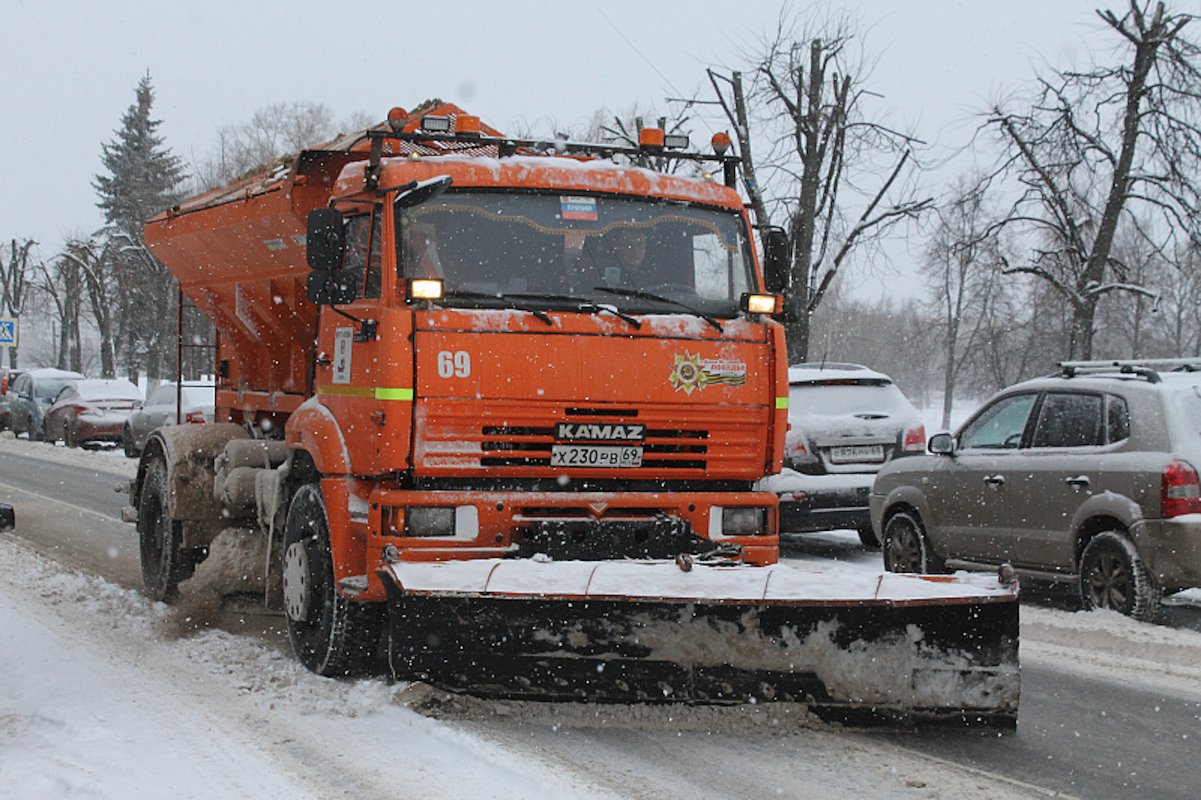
1148 368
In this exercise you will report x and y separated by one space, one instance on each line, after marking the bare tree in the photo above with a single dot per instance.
62 283
272 131
94 257
14 279
962 266
1092 149
832 174
1177 326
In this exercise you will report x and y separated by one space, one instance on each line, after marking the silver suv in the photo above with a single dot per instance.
1089 476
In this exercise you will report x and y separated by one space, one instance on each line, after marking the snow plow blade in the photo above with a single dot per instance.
860 650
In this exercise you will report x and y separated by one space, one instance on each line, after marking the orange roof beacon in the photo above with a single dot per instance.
456 406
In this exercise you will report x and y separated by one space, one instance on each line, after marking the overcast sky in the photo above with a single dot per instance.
70 69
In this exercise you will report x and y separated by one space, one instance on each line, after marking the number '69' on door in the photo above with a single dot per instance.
454 364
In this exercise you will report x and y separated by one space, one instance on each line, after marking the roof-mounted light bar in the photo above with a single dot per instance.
436 124
658 139
397 117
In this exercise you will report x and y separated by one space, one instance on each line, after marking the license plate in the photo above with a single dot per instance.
857 452
582 455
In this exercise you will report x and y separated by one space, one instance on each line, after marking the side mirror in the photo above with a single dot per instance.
775 260
942 444
325 240
332 288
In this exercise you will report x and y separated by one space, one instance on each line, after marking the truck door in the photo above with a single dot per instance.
348 346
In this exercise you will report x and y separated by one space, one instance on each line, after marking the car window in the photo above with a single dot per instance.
846 397
1117 418
1000 426
1070 420
163 395
49 387
68 393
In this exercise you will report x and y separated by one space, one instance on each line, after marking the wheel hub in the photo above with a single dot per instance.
297 589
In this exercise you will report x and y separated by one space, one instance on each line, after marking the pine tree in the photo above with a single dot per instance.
143 179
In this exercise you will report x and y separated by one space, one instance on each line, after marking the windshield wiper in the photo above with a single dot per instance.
659 299
597 308
537 312
578 302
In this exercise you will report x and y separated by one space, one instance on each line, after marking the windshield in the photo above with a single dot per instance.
485 244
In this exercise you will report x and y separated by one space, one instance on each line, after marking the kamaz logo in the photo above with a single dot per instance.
599 432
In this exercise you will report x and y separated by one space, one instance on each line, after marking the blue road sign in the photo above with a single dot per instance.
8 332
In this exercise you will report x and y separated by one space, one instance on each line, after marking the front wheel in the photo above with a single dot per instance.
331 635
1113 576
906 546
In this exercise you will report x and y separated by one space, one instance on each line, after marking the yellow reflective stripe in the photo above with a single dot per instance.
346 391
382 393
781 402
373 392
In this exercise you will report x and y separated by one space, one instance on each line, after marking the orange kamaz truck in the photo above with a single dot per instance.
499 407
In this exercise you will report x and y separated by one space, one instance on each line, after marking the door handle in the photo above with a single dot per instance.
1078 482
994 480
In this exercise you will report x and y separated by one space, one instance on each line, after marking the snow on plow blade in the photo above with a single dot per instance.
859 649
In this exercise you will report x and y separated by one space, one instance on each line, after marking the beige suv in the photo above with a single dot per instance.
1087 476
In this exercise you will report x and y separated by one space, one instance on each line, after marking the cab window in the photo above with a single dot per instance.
1000 426
363 252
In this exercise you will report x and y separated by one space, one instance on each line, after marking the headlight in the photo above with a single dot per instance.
741 520
461 522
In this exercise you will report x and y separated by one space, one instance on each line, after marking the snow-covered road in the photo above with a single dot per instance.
100 696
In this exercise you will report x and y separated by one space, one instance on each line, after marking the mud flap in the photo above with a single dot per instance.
901 654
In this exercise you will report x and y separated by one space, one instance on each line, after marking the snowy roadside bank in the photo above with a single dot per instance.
99 699
102 458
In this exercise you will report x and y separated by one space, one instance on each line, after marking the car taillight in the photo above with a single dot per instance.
78 409
795 447
1181 492
915 440
194 417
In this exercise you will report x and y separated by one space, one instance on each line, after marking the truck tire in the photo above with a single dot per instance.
1113 576
331 635
906 546
164 563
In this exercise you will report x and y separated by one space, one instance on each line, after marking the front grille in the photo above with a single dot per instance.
455 436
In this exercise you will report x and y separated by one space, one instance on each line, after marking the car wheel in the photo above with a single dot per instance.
906 546
165 564
868 538
127 443
1113 576
36 435
70 439
331 635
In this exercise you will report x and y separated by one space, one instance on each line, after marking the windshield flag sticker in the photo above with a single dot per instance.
583 208
690 373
